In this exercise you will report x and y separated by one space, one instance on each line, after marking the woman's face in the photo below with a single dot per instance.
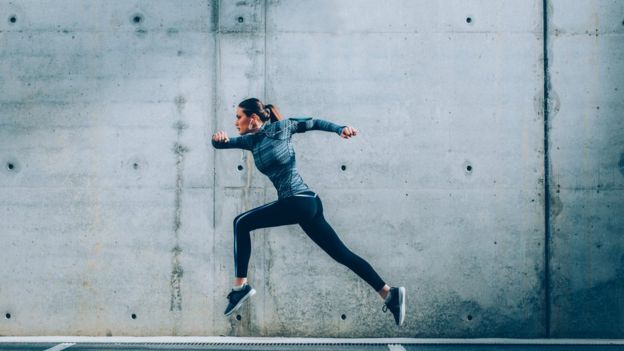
246 124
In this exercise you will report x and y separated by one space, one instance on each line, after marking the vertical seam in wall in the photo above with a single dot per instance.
546 173
215 85
264 193
265 50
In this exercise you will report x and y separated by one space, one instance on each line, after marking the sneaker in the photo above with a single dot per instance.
396 304
237 297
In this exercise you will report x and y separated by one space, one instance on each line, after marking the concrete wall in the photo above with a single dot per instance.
117 213
587 151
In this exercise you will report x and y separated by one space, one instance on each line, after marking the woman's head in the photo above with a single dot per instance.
251 114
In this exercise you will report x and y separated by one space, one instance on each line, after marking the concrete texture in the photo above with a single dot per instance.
117 212
587 182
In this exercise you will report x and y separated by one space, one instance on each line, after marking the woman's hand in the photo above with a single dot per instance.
348 132
220 137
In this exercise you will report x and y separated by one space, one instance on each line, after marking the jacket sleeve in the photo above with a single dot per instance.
303 124
241 142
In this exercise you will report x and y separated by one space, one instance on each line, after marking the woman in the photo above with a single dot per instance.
267 136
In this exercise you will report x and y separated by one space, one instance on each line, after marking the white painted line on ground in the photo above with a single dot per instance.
60 347
396 347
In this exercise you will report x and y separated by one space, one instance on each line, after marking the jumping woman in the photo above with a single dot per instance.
263 132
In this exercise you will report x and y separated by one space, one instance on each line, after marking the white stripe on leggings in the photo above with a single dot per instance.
305 195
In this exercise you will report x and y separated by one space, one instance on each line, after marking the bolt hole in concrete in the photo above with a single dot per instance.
240 19
134 316
468 168
137 19
343 317
10 166
7 316
238 317
469 317
343 167
468 19
12 19
240 168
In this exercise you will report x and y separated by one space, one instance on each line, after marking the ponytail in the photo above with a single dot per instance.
274 114
265 112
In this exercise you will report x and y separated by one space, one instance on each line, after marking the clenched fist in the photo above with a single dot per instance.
220 137
348 132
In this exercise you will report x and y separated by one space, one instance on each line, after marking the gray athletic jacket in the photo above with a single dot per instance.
273 152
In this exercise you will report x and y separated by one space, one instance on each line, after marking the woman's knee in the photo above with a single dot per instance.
240 223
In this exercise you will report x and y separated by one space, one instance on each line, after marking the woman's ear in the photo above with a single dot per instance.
253 121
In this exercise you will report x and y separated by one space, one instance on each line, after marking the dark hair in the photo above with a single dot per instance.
265 112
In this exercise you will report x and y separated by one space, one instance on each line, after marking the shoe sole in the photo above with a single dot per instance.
251 293
402 305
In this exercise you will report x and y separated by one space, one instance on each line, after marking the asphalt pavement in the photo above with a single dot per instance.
287 344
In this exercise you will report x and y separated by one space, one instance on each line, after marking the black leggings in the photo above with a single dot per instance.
306 209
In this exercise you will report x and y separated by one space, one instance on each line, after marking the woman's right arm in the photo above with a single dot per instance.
220 140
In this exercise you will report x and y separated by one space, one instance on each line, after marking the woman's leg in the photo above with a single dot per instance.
277 213
324 236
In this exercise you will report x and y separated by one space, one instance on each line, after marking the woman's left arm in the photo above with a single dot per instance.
301 125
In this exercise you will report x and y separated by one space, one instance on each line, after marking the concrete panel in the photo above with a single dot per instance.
587 183
106 172
440 108
239 186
